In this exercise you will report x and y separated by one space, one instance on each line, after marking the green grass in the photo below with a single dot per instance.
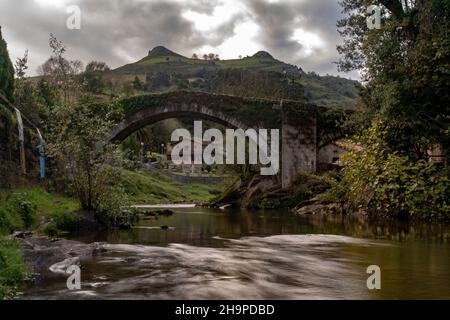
49 204
183 65
23 208
157 188
192 65
13 270
172 59
266 64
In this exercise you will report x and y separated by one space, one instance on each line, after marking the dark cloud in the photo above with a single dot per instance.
277 22
120 32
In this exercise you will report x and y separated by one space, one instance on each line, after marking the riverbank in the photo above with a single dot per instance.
31 208
156 188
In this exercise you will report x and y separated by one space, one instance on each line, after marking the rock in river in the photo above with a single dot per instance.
44 255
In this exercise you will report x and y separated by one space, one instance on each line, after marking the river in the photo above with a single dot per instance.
215 254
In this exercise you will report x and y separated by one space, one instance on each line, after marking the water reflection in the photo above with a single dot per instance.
198 226
212 254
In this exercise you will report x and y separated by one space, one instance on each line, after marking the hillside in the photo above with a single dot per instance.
163 70
161 59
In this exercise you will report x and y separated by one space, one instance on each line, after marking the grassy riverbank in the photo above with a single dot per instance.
24 208
31 207
28 207
144 188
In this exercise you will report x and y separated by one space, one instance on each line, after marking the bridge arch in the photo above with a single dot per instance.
152 115
298 122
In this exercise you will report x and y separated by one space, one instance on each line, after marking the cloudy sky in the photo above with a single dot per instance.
301 32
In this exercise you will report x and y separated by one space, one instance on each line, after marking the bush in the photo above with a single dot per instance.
391 184
111 207
61 223
67 222
27 212
51 230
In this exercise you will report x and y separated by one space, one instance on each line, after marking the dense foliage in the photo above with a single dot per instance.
7 120
384 183
71 142
406 68
6 71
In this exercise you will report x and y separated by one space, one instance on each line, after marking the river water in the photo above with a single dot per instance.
215 254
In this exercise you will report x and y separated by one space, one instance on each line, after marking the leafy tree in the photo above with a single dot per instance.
97 66
405 67
21 66
405 100
6 71
24 93
62 73
7 120
93 80
383 183
90 171
45 94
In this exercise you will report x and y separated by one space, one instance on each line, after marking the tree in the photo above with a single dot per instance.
6 71
195 56
205 56
62 73
97 66
21 66
46 94
405 99
7 126
24 92
93 80
405 67
71 139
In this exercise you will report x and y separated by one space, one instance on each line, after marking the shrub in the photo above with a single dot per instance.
51 230
27 212
67 221
380 182
111 207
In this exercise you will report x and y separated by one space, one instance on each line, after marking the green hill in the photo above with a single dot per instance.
260 75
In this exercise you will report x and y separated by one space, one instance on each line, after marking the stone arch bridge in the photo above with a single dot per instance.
305 128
